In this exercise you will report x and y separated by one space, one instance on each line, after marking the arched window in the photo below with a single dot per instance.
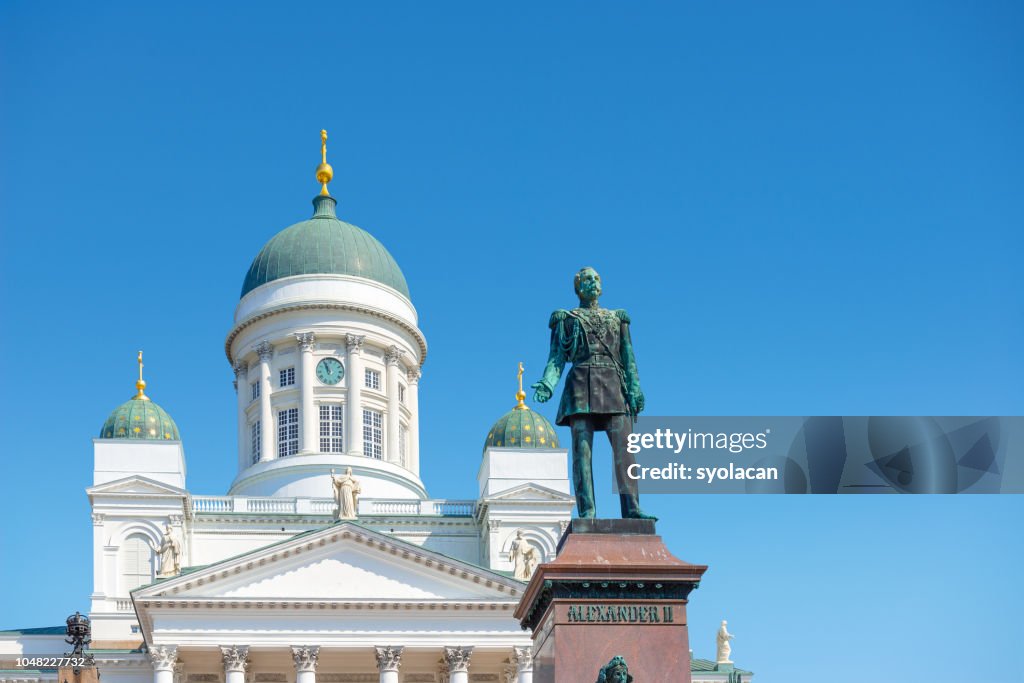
136 557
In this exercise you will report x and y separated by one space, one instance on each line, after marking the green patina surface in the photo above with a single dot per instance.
324 245
39 631
140 418
707 665
521 429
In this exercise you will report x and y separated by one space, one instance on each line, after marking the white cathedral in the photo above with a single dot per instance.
279 581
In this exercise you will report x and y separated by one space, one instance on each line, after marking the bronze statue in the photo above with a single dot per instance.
615 671
602 390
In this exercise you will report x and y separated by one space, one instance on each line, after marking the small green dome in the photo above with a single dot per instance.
140 418
323 244
521 428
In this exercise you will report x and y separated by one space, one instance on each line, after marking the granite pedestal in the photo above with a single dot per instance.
613 589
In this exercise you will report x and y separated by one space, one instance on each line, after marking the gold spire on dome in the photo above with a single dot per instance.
521 395
324 172
141 384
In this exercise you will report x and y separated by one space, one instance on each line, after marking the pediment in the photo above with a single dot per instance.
532 492
136 485
345 562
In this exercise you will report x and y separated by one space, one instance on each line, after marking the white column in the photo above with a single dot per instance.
412 397
305 657
308 417
389 658
163 658
522 657
457 659
236 658
98 589
393 361
354 408
267 427
243 395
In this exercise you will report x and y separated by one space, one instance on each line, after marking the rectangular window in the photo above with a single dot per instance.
255 433
331 434
373 434
287 432
254 390
401 394
403 447
372 379
286 377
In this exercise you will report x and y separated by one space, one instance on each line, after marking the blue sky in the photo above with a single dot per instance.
807 208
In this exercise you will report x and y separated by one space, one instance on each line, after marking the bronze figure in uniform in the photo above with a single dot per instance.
602 389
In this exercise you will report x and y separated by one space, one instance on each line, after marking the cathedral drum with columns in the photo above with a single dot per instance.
326 560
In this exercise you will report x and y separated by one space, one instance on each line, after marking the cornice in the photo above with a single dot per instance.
328 306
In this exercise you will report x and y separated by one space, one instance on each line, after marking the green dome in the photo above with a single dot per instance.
323 244
522 428
140 418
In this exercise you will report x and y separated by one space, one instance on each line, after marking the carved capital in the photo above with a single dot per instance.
240 368
413 375
236 657
163 657
354 342
393 355
457 658
389 657
265 350
97 518
305 657
307 340
522 657
493 524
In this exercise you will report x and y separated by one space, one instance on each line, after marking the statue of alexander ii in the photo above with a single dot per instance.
602 390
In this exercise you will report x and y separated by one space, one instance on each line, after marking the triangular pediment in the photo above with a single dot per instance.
345 562
136 485
532 492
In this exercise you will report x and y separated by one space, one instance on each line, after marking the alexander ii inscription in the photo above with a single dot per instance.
620 614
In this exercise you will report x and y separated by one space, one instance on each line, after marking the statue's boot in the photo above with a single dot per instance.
630 504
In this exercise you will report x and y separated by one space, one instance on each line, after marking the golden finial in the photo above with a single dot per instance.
324 172
521 395
141 384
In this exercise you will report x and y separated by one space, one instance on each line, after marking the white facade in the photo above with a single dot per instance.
272 589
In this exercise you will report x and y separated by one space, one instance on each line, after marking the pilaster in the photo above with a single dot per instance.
309 441
393 361
354 411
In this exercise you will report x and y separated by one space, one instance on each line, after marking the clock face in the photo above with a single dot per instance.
330 371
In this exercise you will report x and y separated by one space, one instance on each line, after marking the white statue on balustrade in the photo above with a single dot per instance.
724 648
524 556
346 495
170 554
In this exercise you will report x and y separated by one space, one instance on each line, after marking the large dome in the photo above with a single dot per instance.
326 245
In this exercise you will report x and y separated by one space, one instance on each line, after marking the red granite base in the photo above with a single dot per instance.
610 593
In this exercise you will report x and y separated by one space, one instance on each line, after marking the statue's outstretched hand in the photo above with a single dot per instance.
541 393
